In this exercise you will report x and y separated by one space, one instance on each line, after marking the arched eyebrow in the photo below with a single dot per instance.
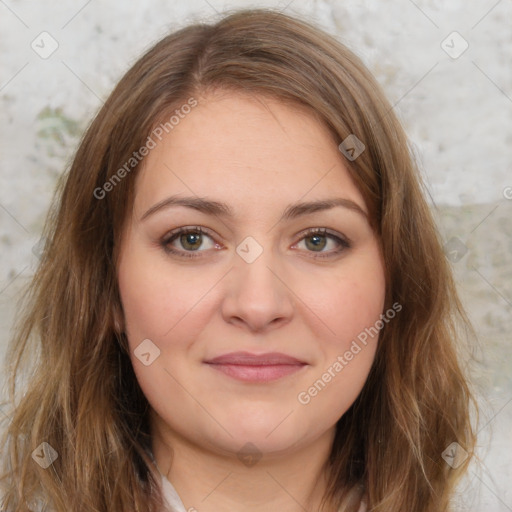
220 209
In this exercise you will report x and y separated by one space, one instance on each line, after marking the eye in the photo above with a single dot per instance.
186 241
322 242
192 241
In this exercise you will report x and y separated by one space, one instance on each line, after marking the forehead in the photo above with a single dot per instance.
250 152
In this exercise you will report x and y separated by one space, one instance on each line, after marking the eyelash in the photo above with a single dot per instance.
343 243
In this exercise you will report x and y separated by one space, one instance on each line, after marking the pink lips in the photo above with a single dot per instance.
256 367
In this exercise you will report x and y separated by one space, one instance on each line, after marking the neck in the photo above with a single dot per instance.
209 482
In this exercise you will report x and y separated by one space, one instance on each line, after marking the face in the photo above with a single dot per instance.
248 273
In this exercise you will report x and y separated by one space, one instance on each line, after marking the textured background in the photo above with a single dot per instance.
457 112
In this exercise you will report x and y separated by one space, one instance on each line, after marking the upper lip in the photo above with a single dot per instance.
248 359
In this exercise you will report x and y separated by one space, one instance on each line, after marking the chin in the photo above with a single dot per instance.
256 444
263 433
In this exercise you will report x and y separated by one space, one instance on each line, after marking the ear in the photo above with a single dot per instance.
117 316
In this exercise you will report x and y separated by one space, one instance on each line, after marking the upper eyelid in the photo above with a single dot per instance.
180 230
302 234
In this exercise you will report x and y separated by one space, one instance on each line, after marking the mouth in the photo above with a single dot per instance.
249 367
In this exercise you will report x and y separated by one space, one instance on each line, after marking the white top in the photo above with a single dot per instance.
174 503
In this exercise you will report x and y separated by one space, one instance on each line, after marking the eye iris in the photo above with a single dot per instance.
318 242
191 241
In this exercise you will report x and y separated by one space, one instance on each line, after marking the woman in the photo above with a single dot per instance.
243 303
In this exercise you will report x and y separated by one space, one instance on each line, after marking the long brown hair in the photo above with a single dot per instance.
81 396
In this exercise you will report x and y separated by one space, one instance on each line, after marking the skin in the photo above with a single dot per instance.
257 156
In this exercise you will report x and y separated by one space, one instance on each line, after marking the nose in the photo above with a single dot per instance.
258 297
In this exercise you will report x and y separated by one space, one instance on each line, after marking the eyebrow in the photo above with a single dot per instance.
292 211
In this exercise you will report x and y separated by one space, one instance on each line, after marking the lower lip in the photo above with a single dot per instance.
257 373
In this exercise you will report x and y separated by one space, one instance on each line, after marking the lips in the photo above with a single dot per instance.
256 367
248 359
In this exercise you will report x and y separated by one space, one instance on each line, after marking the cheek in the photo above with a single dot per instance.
360 304
158 302
348 309
347 302
169 308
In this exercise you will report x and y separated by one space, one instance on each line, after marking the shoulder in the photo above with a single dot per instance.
171 497
172 501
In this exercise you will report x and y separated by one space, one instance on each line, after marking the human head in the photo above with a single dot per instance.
415 374
269 165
